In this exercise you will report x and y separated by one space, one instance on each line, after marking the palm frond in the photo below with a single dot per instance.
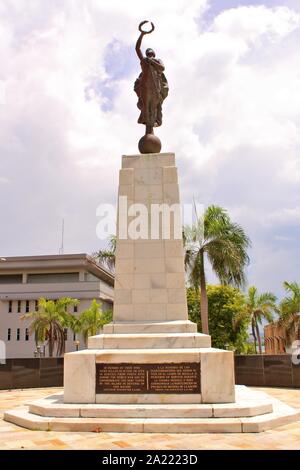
107 257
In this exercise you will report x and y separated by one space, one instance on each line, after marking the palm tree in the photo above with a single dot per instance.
290 311
50 321
93 319
108 257
224 244
75 324
257 308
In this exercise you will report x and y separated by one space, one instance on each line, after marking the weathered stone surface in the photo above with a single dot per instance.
150 272
79 377
51 413
217 372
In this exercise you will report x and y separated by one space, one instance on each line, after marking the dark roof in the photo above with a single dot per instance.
41 262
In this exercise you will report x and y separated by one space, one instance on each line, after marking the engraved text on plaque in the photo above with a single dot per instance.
181 377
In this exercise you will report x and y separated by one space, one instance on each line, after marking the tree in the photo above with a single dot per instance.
108 257
224 304
93 319
290 311
224 244
74 324
257 308
49 322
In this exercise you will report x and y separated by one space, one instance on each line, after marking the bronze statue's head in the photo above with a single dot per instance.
150 53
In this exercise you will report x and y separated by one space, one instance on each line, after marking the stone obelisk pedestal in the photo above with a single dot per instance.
150 371
151 353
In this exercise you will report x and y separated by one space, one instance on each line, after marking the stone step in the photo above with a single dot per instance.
149 341
22 417
54 406
184 326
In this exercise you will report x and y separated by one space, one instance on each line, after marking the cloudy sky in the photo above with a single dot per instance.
68 112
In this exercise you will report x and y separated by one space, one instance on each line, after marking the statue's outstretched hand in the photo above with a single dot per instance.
146 32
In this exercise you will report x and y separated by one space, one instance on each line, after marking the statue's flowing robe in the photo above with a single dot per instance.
151 88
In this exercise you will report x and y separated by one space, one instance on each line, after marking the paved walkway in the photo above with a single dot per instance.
14 437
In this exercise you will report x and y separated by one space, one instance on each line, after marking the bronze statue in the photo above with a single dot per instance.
151 88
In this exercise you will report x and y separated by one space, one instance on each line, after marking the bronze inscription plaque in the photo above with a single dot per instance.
183 377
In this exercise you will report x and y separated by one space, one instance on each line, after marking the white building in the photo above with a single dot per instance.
24 279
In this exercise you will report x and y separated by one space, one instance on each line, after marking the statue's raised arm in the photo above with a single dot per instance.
139 41
152 88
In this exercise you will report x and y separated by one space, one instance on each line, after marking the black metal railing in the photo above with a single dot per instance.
267 371
31 373
256 370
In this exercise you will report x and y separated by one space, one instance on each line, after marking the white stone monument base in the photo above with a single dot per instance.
252 411
217 377
219 407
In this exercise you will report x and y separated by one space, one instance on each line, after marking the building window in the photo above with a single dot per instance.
75 308
19 306
36 305
18 334
11 279
8 334
27 306
53 278
66 334
26 334
10 304
74 336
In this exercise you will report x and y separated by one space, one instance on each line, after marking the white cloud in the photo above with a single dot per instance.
253 23
290 216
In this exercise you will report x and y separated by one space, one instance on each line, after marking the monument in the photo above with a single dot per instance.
150 370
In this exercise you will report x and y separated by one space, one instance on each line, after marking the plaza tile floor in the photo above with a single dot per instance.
14 437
